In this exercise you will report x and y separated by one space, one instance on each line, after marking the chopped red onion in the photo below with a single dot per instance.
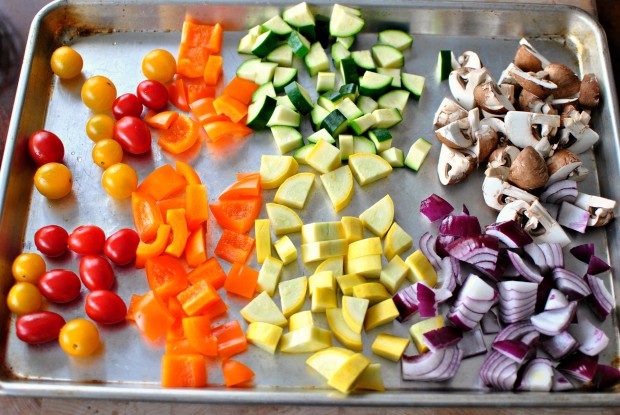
489 323
442 243
436 366
426 300
561 191
435 207
448 274
537 376
531 338
573 217
606 377
515 331
580 366
571 284
561 382
583 252
538 257
499 372
442 337
592 340
514 349
481 251
544 288
553 254
555 300
560 346
525 268
517 300
554 322
427 246
406 301
472 343
601 301
463 319
460 225
597 265
510 233
465 210
475 299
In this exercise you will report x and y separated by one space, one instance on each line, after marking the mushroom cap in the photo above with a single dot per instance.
487 140
487 97
528 171
560 159
528 101
542 88
525 59
567 81
589 92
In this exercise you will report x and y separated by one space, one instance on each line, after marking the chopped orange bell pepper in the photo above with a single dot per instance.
176 219
211 271
198 42
204 112
241 280
175 331
179 346
230 339
177 95
236 373
217 38
146 216
234 247
246 187
197 205
183 371
198 332
196 88
180 137
166 276
188 69
242 176
195 249
149 250
162 183
241 89
213 70
218 130
151 316
231 107
160 120
197 297
172 203
237 215
188 172
215 310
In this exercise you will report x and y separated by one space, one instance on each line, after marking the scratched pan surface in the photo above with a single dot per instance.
112 38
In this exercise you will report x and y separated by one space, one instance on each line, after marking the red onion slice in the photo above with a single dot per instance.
526 269
538 257
472 343
597 265
601 301
592 340
514 349
481 251
583 252
573 217
436 366
426 301
427 246
448 274
580 366
515 331
554 322
499 372
560 346
531 338
555 300
406 301
561 382
442 337
553 254
435 207
442 243
537 376
460 225
561 191
606 377
571 284
510 233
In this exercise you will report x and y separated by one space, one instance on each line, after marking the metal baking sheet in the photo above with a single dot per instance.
112 38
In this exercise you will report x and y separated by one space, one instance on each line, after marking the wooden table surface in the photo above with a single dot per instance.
22 13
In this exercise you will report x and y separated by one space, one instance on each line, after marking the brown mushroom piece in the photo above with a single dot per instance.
528 58
530 102
534 82
589 93
564 164
488 97
453 166
529 170
567 81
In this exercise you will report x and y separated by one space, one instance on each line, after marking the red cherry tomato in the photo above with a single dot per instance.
51 240
121 246
152 94
39 327
96 272
45 147
87 239
60 285
133 135
105 307
126 104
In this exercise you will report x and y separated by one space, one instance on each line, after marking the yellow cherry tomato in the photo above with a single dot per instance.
53 180
66 62
28 267
119 180
107 152
24 298
98 93
100 126
79 337
159 65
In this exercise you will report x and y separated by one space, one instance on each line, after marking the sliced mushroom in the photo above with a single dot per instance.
485 137
578 124
503 156
506 78
469 59
515 210
601 209
452 135
509 92
496 124
448 112
530 102
528 170
497 193
453 166
543 228
462 83
567 81
589 93
534 83
528 58
519 126
488 97
565 164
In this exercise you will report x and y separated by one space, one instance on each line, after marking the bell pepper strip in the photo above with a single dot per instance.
133 304
236 373
198 332
241 89
151 316
176 219
150 250
188 69
246 187
198 42
218 130
175 331
237 215
230 339
247 175
215 310
163 273
146 216
197 297
172 203
177 95
204 112
211 271
195 249
183 371
162 183
231 107
181 136
215 41
160 120
179 346
213 70
188 172
241 280
197 205
234 247
196 88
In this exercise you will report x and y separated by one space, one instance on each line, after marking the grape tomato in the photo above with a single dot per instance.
79 337
60 285
87 239
98 93
28 267
45 147
39 327
53 180
24 298
133 135
120 180
107 152
120 247
100 127
66 62
159 65
51 240
105 307
153 94
126 104
96 272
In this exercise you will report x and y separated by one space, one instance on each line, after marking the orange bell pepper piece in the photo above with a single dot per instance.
196 88
150 250
146 215
183 371
197 205
242 176
231 107
181 136
177 346
217 38
211 271
249 186
237 215
236 373
188 172
172 203
241 89
218 130
176 219
151 316
175 331
195 249
160 120
230 339
162 183
177 95
241 280
166 277
197 297
234 247
187 68
215 310
198 332
213 70
204 112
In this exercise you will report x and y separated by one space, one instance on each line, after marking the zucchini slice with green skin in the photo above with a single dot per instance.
278 26
302 152
309 31
339 52
396 98
282 55
246 43
349 109
347 42
382 139
349 91
345 142
330 100
362 124
445 64
265 72
396 38
387 117
265 43
299 97
344 23
325 81
394 73
348 71
299 44
256 31
394 156
286 138
417 154
363 59
387 56
283 116
317 115
322 134
413 83
335 123
374 85
285 101
299 15
316 60
260 112
283 77
366 104
363 145
247 69
265 89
